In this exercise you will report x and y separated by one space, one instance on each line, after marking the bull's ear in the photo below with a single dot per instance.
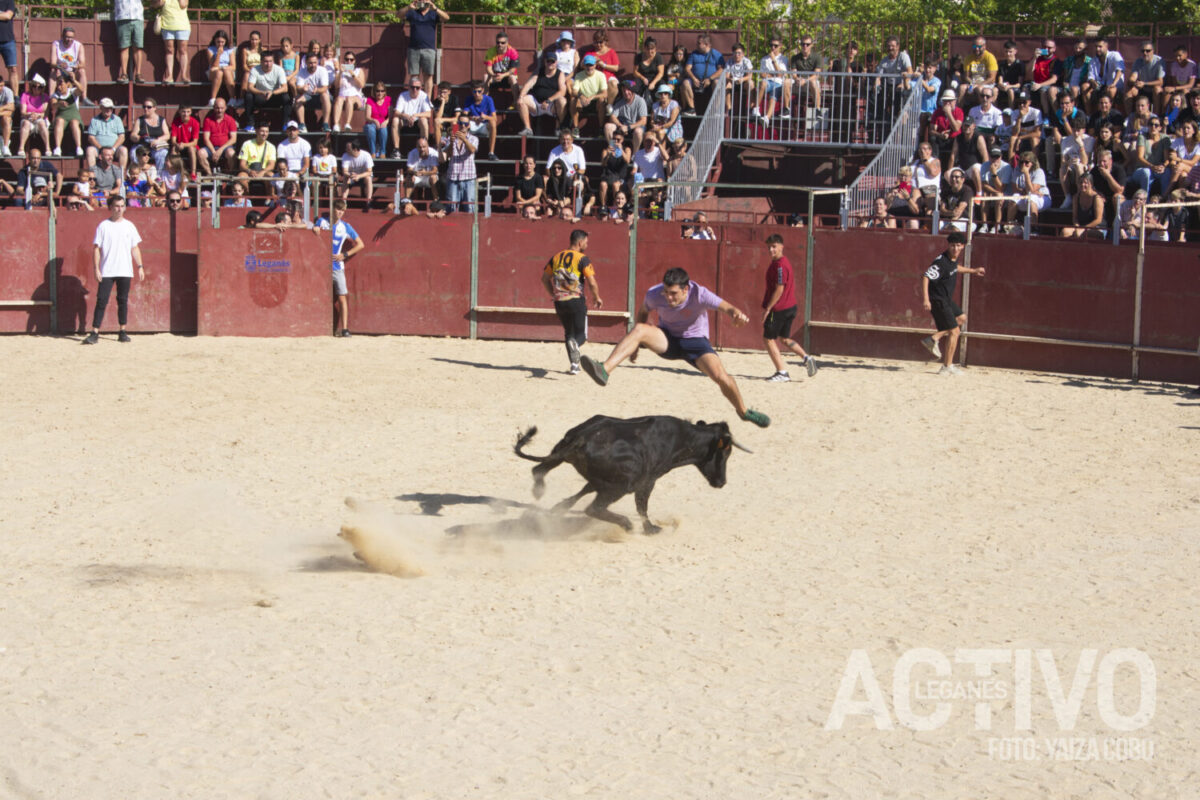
725 442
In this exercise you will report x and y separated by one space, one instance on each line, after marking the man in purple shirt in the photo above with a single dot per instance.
681 333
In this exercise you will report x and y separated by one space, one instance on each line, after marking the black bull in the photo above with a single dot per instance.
619 456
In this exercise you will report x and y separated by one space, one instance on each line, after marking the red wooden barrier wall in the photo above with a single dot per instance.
1171 312
25 273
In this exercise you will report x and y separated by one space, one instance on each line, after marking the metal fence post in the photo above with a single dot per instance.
808 276
52 257
631 278
475 263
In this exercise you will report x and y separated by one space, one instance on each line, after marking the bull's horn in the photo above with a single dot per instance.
734 442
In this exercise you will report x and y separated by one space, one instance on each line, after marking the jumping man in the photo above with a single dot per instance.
561 277
937 291
681 332
779 312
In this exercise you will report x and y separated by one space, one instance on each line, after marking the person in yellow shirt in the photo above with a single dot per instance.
564 277
979 69
589 89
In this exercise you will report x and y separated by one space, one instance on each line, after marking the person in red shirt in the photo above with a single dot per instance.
185 136
779 312
218 140
607 61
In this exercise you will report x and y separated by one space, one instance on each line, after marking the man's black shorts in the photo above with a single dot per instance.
945 314
778 324
690 348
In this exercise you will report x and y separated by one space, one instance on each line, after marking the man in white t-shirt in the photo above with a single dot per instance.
412 111
423 167
357 168
312 89
294 151
114 253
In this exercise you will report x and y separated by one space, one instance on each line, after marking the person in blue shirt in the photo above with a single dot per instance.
423 17
481 111
342 233
703 67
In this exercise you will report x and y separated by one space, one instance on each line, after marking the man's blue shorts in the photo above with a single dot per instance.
690 348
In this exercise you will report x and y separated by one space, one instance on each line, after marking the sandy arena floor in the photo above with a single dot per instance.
179 618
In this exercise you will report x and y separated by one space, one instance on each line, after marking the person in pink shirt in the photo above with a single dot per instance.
379 111
35 102
681 333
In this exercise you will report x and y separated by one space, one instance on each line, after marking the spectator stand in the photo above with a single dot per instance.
880 174
310 196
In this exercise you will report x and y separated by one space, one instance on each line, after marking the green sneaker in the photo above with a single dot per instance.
757 417
595 369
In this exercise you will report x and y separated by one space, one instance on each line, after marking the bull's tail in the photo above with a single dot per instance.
523 440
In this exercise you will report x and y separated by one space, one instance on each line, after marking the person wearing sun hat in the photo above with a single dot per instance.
565 53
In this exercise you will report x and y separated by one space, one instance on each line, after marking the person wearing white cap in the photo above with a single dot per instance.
35 103
565 53
945 125
106 130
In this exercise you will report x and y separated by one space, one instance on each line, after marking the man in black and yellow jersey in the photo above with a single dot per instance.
563 277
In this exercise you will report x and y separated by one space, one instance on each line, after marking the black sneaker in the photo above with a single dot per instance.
123 338
345 333
92 338
493 157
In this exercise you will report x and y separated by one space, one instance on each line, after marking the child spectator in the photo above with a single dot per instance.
65 102
239 199
80 196
137 188
185 138
221 66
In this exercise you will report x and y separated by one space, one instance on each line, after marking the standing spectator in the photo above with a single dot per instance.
972 151
1047 75
980 70
8 43
67 61
664 117
109 176
927 176
294 151
779 311
379 111
481 116
1010 75
446 108
351 80
65 102
422 167
648 67
342 233
628 115
115 253
500 64
129 16
1182 75
929 87
8 104
153 133
1107 75
893 75
775 85
218 140
312 87
607 61
565 53
267 87
704 66
221 70
529 189
589 90
995 179
358 169
564 277
543 95
43 181
1146 78
1075 71
422 17
412 111
937 292
739 81
459 153
251 53
176 30
807 66
185 138
35 104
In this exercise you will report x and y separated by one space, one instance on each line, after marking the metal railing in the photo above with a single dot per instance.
682 188
897 151
836 109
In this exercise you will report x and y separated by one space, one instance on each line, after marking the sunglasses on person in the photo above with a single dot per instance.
173 201
1147 49
478 91
806 44
348 59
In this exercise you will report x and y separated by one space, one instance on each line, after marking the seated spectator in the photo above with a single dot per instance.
570 155
41 178
621 209
986 115
1110 139
218 140
1186 147
329 61
927 177
628 115
294 152
952 74
1176 105
589 90
480 117
880 218
350 82
806 68
972 152
1010 76
174 178
892 84
607 61
35 103
67 61
8 104
150 172
1066 119
458 151
1026 132
776 85
250 55
1156 222
956 201
375 127
1181 78
1075 161
995 177
325 163
739 81
79 195
500 64
221 68
446 108
422 168
1075 71
239 199
1087 213
257 157
1129 216
544 94
312 94
615 167
1146 78
284 191
289 59
664 116
185 139
175 29
1192 112
529 189
65 106
945 126
267 87
1139 121
1176 217
980 69
928 86
358 168
560 192
1107 77
673 70
1150 159
648 67
153 133
704 67
411 112
679 155
1105 115
902 198
565 54
1109 180
1028 180
109 176
137 188
1047 75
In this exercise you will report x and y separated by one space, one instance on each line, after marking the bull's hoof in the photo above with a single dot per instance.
649 528
539 489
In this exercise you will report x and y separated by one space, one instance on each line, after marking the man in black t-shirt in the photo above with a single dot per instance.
445 112
937 292
956 200
1010 76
